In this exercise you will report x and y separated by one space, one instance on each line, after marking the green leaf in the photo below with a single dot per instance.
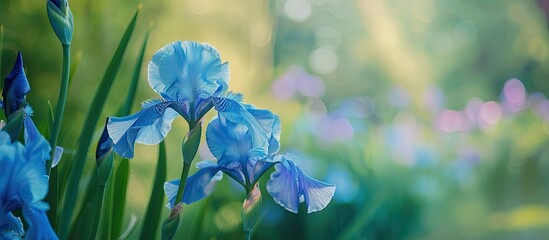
1 52
84 221
106 218
363 218
74 66
88 129
156 202
122 174
129 228
127 107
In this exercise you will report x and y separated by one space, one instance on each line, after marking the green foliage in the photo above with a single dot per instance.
156 201
89 127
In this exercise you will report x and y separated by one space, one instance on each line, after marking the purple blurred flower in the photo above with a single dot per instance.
297 80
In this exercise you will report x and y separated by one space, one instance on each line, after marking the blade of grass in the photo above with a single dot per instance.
89 127
83 220
74 66
121 174
156 202
1 52
363 218
106 217
129 229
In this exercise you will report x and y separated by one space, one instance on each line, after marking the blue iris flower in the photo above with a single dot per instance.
190 79
23 185
246 161
14 93
16 87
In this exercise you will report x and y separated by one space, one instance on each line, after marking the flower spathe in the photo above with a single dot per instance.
190 79
23 185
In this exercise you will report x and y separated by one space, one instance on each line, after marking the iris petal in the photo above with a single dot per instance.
289 186
317 194
258 168
283 188
148 126
38 148
233 111
198 186
11 225
16 87
57 156
188 71
39 226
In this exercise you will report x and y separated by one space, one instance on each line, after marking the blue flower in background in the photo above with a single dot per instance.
23 185
14 92
16 87
245 161
190 79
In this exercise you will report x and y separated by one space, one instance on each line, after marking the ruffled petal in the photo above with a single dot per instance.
148 126
188 70
283 187
170 188
289 186
198 186
16 87
317 194
227 141
39 225
233 111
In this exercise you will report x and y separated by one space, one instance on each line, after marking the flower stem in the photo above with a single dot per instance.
182 182
60 103
97 212
248 235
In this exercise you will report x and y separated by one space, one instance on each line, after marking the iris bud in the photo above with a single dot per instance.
104 157
61 20
171 224
251 209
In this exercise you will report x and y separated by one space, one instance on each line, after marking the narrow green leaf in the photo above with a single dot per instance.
89 128
363 218
106 218
1 52
122 173
129 228
74 66
83 222
127 107
156 202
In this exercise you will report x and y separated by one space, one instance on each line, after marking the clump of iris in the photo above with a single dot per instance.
23 182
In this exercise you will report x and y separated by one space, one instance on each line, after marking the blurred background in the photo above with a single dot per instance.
430 116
